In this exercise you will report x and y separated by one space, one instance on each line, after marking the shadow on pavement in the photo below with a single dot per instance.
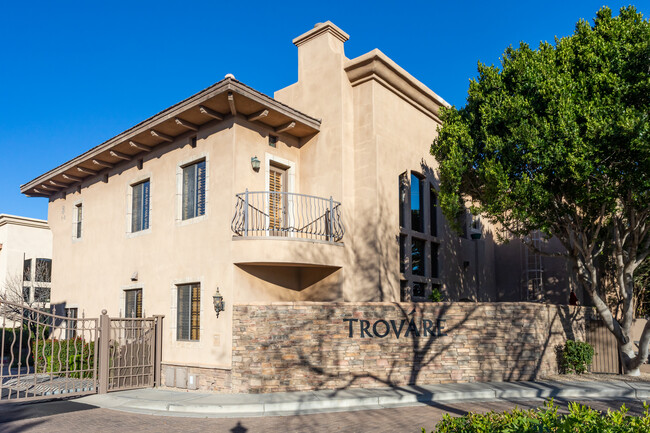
21 411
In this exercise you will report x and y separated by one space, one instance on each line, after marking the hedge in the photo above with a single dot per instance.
580 419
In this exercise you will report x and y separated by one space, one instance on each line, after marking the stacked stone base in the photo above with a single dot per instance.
312 345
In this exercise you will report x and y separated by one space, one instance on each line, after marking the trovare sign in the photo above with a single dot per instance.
408 328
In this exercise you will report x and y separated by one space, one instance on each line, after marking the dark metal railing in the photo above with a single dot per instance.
284 214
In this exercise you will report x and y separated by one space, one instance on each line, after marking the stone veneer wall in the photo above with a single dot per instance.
306 346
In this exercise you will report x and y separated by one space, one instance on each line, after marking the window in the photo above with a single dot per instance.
43 270
27 294
78 218
71 324
27 270
188 312
194 190
133 303
42 294
140 207
417 208
418 241
273 140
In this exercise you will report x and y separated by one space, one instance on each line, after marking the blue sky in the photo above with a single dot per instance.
74 74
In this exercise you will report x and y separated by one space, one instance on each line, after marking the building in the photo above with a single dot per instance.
25 260
324 193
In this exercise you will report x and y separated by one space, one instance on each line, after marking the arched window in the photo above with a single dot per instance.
419 243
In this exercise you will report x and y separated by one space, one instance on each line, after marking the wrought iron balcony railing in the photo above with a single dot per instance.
284 214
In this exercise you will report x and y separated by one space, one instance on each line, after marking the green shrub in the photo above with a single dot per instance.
576 357
435 295
580 419
66 357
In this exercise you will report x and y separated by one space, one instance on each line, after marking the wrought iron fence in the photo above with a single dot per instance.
284 214
44 355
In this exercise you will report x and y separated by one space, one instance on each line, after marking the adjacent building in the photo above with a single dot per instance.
25 260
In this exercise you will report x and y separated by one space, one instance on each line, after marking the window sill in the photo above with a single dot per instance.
130 235
190 221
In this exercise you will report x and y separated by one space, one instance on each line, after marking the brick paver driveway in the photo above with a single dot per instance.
70 417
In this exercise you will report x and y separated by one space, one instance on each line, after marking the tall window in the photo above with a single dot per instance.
42 294
71 324
133 303
194 190
188 312
419 244
43 270
78 218
140 206
27 270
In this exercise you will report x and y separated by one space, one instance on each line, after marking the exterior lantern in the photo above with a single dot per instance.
255 163
217 300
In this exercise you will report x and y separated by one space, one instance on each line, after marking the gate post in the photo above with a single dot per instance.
104 347
158 353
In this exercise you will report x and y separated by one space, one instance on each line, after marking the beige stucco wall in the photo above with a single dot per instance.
371 132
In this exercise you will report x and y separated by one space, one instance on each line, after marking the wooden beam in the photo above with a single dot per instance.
231 102
72 178
210 112
139 146
257 116
101 163
186 124
86 170
162 135
49 188
120 155
284 128
39 192
55 183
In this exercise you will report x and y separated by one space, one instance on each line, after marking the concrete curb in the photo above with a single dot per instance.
177 403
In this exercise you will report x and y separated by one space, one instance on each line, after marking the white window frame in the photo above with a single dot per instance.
174 309
123 290
179 188
75 215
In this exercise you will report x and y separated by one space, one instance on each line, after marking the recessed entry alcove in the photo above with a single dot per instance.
283 281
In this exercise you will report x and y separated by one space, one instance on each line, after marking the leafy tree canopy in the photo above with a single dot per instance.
557 139
558 132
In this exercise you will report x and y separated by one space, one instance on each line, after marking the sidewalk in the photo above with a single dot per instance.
191 404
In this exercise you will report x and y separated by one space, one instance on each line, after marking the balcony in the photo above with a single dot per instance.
287 215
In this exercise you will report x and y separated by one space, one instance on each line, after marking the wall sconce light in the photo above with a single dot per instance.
217 300
255 163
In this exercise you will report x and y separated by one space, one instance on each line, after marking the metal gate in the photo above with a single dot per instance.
131 353
606 358
44 355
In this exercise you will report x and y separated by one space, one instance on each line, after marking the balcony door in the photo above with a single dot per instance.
277 201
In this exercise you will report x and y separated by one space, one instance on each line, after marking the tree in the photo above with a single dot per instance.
558 140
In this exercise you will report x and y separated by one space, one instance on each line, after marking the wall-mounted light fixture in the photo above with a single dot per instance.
255 163
217 300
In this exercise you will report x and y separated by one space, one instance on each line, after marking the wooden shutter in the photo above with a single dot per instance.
196 313
275 199
200 188
145 205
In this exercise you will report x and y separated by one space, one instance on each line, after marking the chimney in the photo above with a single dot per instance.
319 48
